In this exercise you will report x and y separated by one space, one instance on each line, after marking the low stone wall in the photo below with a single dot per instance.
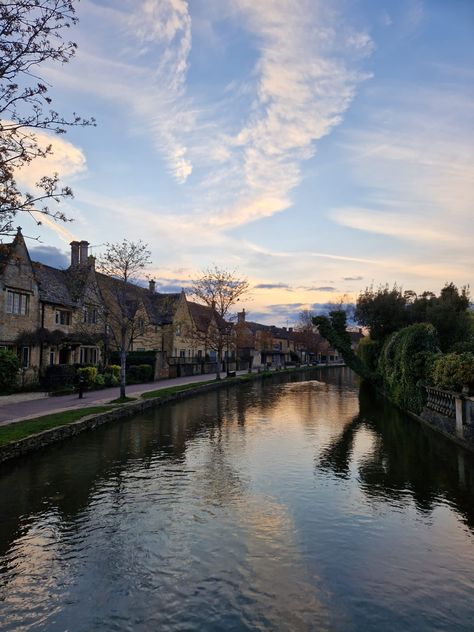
447 427
90 422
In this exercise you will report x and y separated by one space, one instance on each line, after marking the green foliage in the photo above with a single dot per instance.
138 373
88 373
99 381
58 376
113 369
368 351
134 358
9 365
335 331
453 371
405 361
384 311
110 379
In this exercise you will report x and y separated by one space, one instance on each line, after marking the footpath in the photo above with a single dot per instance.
22 406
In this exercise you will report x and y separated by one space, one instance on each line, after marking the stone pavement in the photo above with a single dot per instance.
15 408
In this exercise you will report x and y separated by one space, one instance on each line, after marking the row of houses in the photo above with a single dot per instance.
53 316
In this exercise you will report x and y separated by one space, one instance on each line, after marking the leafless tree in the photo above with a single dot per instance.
121 264
31 36
219 289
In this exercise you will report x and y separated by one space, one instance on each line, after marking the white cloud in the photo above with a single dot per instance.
65 159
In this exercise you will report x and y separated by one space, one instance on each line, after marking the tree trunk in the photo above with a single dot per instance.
123 367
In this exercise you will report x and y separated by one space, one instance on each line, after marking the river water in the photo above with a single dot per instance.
297 503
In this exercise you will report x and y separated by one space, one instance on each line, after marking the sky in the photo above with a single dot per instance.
315 147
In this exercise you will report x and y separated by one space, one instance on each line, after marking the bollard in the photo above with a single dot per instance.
459 400
81 387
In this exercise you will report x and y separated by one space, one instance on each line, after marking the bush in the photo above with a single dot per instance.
99 381
111 380
137 373
405 361
58 376
369 351
453 371
9 365
88 373
113 369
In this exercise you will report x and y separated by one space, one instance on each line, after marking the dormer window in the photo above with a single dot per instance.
17 303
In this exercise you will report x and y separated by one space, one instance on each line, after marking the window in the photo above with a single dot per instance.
178 330
17 303
63 317
52 356
25 357
90 315
182 353
141 326
88 355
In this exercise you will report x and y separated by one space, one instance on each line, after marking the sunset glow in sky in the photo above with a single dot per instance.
316 146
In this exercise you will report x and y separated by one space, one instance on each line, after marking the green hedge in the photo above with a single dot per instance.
134 358
369 351
138 373
9 365
453 371
406 360
58 376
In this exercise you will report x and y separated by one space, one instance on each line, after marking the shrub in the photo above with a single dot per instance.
58 376
137 373
369 351
113 369
9 365
405 361
99 381
453 371
135 358
89 373
111 380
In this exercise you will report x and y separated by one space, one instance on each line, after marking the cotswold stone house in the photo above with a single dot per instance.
52 316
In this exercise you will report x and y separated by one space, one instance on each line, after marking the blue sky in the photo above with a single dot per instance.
315 146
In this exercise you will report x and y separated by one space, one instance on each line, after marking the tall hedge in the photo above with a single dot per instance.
369 351
406 360
9 366
453 371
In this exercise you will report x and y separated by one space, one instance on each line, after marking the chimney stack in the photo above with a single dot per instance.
74 253
241 316
152 286
83 251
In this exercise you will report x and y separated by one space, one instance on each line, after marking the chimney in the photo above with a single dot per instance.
152 286
74 253
241 316
83 251
290 329
91 262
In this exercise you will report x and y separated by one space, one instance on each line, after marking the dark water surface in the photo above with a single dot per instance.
292 504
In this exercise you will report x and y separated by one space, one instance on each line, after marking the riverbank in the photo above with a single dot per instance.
22 437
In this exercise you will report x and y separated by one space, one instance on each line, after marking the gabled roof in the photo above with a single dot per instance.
160 307
202 316
53 285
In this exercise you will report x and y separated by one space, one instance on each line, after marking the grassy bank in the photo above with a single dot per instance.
22 429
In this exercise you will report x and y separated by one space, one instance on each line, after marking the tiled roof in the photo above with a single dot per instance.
202 316
54 285
160 307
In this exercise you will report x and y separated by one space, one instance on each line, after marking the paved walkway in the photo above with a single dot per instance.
21 406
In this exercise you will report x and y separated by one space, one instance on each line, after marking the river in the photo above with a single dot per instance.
300 502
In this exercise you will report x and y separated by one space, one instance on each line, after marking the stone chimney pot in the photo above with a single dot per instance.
74 253
152 285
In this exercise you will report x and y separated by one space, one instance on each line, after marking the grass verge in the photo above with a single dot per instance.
163 392
23 429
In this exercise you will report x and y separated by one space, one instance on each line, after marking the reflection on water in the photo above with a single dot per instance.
300 503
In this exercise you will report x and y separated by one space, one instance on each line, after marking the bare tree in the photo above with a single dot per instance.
122 263
30 36
219 289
